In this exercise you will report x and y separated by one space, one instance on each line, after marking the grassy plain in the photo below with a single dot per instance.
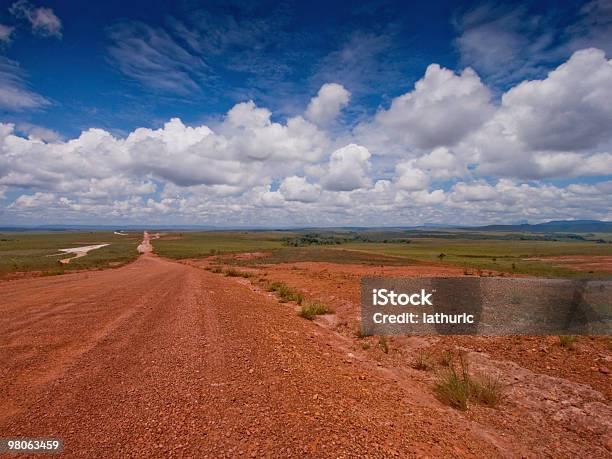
39 251
330 254
180 245
511 256
511 253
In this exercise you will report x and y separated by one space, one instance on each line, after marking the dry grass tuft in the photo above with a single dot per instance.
488 390
456 387
422 361
384 345
568 341
446 358
285 293
231 272
310 310
361 334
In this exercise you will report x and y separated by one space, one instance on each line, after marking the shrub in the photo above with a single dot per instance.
365 345
313 309
216 270
568 341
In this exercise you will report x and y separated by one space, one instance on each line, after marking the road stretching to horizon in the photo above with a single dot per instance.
159 358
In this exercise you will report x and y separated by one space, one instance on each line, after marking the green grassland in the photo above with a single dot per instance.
505 252
34 251
180 245
509 256
329 254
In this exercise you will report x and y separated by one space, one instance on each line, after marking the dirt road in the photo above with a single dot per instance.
145 246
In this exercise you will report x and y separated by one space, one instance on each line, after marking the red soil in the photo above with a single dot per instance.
548 385
159 359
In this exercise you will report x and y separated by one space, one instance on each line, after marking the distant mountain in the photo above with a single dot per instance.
559 226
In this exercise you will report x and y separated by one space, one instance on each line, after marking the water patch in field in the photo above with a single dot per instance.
78 251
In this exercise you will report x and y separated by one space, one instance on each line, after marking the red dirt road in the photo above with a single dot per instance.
161 359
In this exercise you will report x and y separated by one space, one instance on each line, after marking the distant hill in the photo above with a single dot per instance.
559 226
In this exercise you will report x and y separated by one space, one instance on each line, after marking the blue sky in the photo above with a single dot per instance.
277 54
67 67
274 53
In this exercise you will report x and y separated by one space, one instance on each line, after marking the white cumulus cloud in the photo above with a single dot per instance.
555 127
570 109
443 152
326 105
348 169
440 111
298 189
